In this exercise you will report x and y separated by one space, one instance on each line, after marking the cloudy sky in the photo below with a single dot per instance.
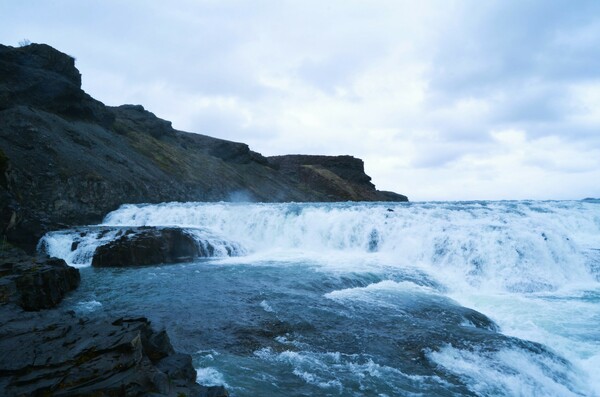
444 100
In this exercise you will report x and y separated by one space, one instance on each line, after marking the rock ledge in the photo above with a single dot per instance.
59 354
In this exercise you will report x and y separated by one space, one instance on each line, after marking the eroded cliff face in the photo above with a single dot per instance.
66 159
341 178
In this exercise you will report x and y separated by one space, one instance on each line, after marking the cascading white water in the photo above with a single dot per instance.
77 246
533 267
515 246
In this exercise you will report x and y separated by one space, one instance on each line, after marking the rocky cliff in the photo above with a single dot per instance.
340 178
66 159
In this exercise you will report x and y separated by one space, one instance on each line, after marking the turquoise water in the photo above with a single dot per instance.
370 299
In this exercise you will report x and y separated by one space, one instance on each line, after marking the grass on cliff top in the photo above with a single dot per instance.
187 166
334 181
171 159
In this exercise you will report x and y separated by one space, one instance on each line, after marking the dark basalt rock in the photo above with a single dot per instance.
40 76
145 120
150 246
51 353
340 177
346 167
35 283
59 354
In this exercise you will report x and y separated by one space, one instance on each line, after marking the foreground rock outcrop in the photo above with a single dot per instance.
34 283
56 353
66 159
51 353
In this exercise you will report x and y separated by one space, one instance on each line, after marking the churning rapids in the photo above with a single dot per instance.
368 299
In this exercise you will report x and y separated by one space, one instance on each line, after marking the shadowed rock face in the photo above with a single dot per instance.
59 354
40 76
66 159
35 283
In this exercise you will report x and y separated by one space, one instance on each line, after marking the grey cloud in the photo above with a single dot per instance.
508 42
443 152
521 58
227 124
431 158
572 132
528 103
329 73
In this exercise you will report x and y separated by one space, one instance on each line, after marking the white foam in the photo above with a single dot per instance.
77 246
563 321
516 246
511 373
385 286
266 307
89 306
209 376
60 244
300 360
321 369
317 381
591 367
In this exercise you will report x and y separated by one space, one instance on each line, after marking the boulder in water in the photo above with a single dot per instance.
150 246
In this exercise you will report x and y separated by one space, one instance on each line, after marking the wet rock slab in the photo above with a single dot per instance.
34 283
51 353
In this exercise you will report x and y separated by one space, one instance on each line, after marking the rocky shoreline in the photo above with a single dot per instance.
56 353
67 160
